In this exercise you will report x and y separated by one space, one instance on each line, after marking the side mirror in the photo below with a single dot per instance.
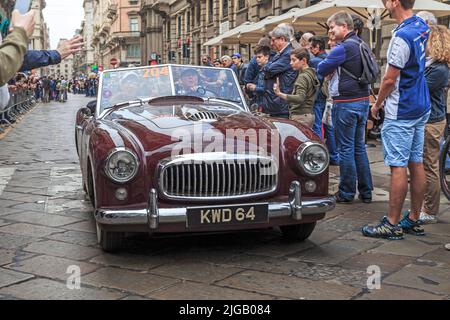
254 108
92 105
85 111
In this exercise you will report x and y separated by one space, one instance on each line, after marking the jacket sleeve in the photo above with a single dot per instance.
335 59
282 64
260 84
299 94
435 78
40 58
260 89
251 73
12 51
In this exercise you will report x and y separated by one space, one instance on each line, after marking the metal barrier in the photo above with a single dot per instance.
20 102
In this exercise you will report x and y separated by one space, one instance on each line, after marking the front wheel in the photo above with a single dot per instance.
109 241
445 153
298 232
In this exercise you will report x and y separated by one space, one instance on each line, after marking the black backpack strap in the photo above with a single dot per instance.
350 74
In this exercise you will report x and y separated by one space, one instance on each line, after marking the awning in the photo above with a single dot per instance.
314 18
230 34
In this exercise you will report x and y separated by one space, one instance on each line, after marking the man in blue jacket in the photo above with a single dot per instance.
350 111
280 67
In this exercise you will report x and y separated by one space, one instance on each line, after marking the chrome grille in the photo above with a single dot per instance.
233 177
203 115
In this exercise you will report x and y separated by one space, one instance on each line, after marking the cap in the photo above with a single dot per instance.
189 72
236 55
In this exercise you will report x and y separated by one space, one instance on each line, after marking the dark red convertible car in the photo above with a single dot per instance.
174 148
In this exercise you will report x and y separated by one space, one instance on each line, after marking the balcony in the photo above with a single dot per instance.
126 34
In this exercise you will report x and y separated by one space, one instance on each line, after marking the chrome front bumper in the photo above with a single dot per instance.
154 216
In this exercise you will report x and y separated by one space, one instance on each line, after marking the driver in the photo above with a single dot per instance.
189 83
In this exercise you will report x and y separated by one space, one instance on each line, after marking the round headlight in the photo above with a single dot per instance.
313 158
121 166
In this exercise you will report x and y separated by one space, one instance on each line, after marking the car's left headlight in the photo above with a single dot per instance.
312 158
122 165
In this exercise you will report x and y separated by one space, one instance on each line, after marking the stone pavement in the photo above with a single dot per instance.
46 226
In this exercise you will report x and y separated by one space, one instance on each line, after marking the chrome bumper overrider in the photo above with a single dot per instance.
154 216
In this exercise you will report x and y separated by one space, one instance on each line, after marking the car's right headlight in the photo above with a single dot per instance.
122 165
312 158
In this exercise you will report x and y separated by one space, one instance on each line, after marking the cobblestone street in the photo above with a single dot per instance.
46 226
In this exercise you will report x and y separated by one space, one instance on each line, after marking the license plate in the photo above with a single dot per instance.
227 215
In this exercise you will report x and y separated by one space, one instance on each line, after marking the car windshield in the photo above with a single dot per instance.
132 84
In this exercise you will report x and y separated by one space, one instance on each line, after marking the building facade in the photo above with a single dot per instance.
40 40
116 32
176 29
85 60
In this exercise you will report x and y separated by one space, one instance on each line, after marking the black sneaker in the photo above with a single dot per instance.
383 230
339 199
365 200
410 226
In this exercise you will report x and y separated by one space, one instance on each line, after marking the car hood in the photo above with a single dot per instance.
158 126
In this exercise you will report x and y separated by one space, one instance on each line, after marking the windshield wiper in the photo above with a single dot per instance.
229 102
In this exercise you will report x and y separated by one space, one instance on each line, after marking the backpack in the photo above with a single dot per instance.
371 69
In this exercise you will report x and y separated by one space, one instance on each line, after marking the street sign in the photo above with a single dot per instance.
113 61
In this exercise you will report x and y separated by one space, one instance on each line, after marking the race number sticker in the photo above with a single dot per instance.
156 72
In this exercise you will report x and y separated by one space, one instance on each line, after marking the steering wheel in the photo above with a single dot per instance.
203 92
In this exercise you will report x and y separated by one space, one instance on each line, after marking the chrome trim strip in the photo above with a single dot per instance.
295 199
178 215
152 210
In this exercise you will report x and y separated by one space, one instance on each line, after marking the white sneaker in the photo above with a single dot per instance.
426 218
447 246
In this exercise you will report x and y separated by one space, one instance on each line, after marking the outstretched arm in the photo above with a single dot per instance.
41 58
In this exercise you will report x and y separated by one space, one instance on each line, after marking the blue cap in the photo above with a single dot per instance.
236 55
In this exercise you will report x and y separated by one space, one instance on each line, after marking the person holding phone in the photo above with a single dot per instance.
34 59
14 46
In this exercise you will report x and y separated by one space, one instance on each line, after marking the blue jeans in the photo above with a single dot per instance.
319 108
350 120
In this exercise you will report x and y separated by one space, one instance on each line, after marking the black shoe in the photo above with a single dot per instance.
365 200
339 199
